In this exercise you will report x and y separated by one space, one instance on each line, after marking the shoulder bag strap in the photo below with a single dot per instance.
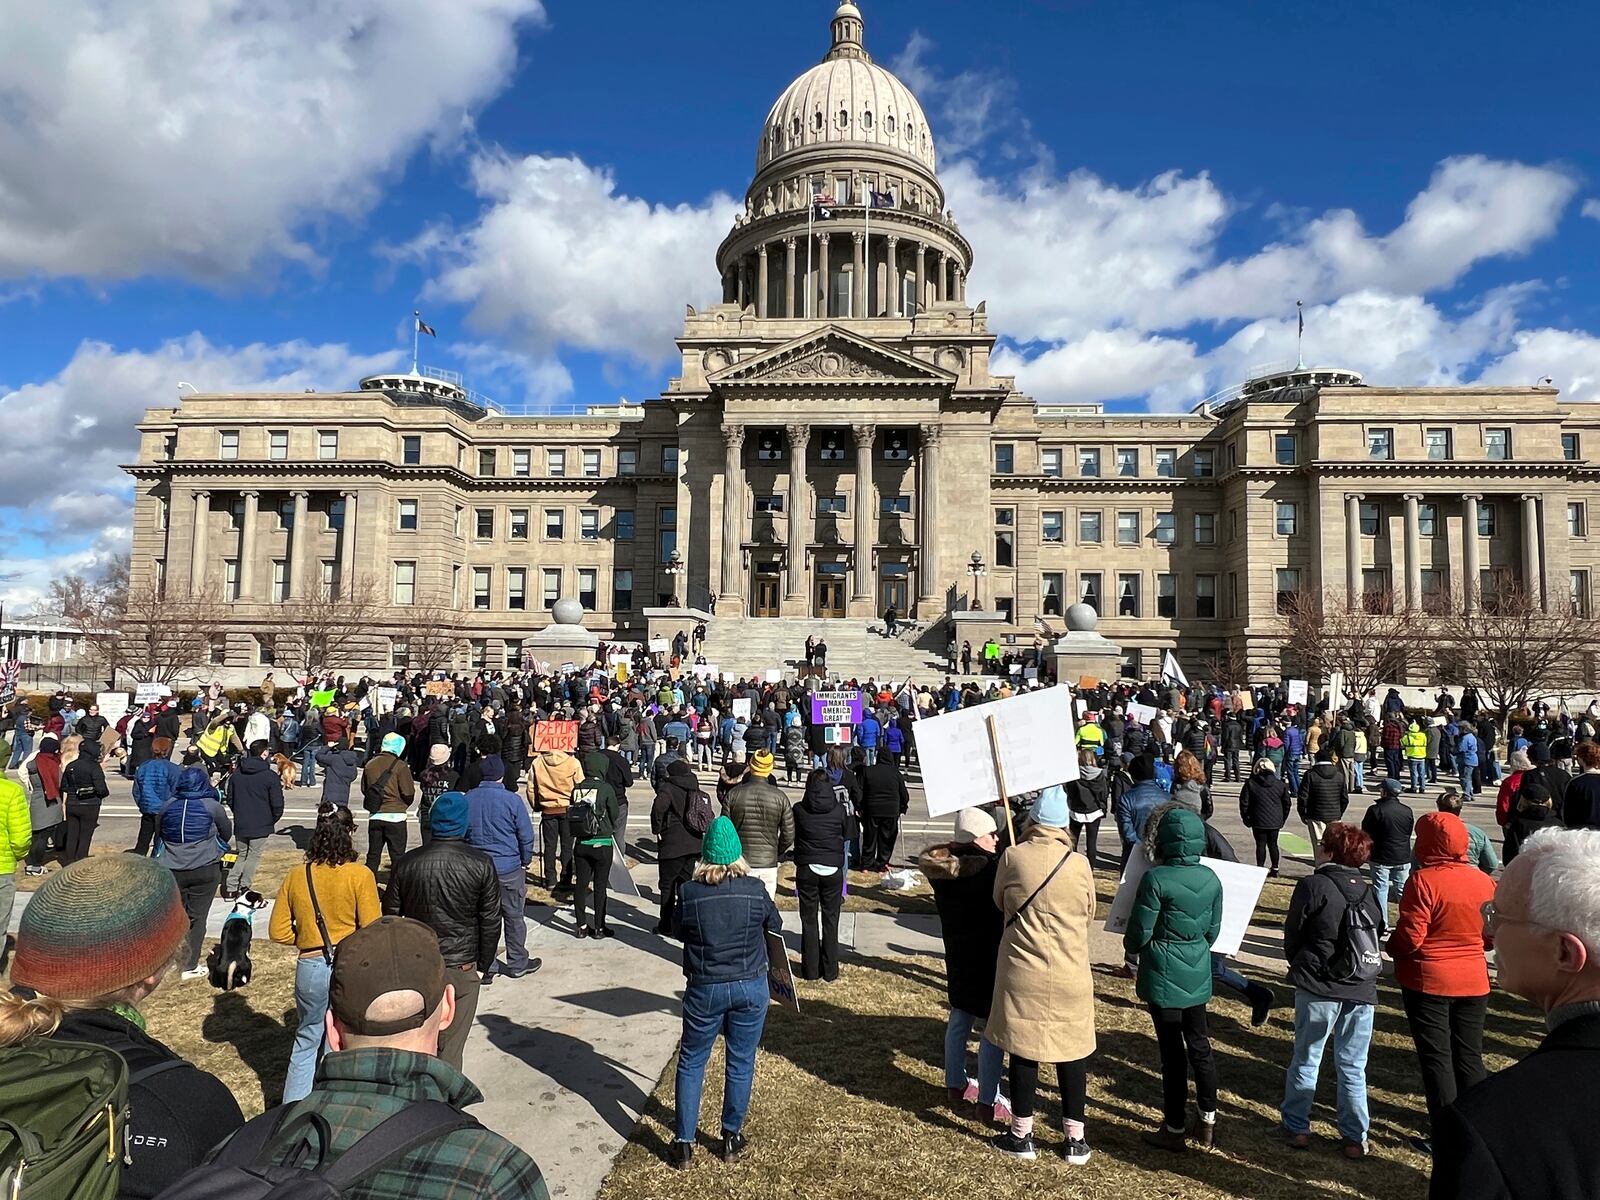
412 1126
383 780
322 925
1012 919
250 1140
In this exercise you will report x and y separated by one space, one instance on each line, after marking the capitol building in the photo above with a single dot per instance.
834 443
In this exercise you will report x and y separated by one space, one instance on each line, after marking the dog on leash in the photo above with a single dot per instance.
288 770
229 960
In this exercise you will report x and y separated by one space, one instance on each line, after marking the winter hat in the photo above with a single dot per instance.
439 754
1391 787
448 816
1050 809
490 766
761 764
721 847
393 744
161 747
974 823
98 926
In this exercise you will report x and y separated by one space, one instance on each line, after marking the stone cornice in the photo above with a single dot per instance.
1113 483
339 473
846 219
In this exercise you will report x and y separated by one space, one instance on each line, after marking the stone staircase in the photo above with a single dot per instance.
748 646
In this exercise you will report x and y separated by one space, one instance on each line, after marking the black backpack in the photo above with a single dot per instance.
372 789
698 813
236 1173
583 813
1357 955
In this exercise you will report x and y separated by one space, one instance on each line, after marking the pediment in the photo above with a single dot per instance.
832 356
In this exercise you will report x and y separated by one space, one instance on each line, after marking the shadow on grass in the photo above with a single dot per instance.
262 1043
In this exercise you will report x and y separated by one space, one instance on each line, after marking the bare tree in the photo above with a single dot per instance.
1511 648
433 636
1228 668
327 628
1372 642
139 631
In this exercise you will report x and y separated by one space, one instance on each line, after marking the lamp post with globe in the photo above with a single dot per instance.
977 570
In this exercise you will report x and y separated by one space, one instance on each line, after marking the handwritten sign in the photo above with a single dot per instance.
659 646
836 708
1241 891
741 707
1143 713
1034 732
149 693
1299 691
386 698
439 687
780 974
112 705
555 735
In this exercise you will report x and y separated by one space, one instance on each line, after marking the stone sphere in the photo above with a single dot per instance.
1081 618
567 612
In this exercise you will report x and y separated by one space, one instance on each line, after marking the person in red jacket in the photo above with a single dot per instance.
1438 950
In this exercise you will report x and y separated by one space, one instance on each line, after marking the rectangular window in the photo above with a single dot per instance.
1088 527
1436 442
1427 520
588 524
1435 599
550 586
1375 594
1166 462
1052 584
280 581
522 463
1369 518
894 506
1205 596
830 506
266 650
1380 444
219 649
407 519
228 443
513 658
405 583
329 576
1285 449
669 460
555 463
1497 444
455 586
1486 520
1166 596
1089 462
555 524
483 523
1005 537
1569 447
1233 593
1050 526
456 527
1132 664
667 531
278 444
1128 594
622 524
1579 581
236 514
1127 529
480 587
479 648
1050 462
160 567
627 461
411 450
621 591
169 446
588 588
399 653
1166 531
1287 518
1205 529
1004 459
769 504
591 464
328 444
1127 462
1577 520
517 525
1288 585
285 513
1204 464
517 589
1089 589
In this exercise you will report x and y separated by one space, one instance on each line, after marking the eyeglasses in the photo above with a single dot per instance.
1494 918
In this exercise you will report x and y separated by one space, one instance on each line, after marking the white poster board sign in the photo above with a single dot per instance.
709 670
112 705
620 879
1299 691
658 646
1035 735
1335 692
386 699
1241 890
1080 707
149 693
774 675
1143 713
741 707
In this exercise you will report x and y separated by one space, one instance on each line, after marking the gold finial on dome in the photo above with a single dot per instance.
848 30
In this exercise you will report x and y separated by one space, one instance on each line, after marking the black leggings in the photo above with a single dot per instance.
83 816
1181 1035
591 865
45 842
1266 846
1071 1077
1086 836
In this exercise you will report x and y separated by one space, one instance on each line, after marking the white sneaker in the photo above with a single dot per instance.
196 973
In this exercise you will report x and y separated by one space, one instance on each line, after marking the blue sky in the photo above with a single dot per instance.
261 200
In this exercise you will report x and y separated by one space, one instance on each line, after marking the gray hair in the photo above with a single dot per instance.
1563 868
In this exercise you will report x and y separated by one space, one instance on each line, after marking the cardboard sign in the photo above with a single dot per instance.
742 707
620 881
386 698
836 708
112 705
1299 691
780 974
1143 713
1241 890
1034 732
659 646
439 687
555 735
1088 683
149 693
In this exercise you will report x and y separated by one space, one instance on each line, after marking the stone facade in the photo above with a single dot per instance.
834 443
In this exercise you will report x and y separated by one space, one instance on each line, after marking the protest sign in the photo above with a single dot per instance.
1079 707
555 735
741 707
386 698
836 708
1299 691
1030 673
1088 683
149 693
1015 669
620 880
836 735
1241 890
1033 734
774 675
1335 692
567 668
658 646
1143 713
112 705
439 687
622 672
780 974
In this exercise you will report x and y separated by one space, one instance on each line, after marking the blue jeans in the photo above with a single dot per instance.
308 766
738 1011
991 1059
21 746
1350 1026
311 1002
1419 773
1464 773
1222 973
1358 772
872 754
1386 876
1291 764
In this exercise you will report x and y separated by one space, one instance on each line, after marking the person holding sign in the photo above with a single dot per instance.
1043 1006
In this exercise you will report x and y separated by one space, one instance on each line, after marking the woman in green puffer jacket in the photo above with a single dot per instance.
1177 914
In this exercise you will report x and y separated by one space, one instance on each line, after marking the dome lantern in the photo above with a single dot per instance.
848 34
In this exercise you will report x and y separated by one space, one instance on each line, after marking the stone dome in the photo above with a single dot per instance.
847 101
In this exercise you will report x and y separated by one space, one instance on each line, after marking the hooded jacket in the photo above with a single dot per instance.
499 825
1414 743
963 890
191 822
1438 941
1177 914
1135 806
666 814
255 794
1323 793
153 784
1086 796
1264 801
1388 823
764 818
555 774
883 790
823 823
399 790
595 788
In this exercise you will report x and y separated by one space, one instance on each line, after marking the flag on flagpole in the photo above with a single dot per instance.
822 205
881 199
424 327
1171 670
1300 309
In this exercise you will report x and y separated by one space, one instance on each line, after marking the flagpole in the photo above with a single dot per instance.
416 334
1300 337
811 218
866 252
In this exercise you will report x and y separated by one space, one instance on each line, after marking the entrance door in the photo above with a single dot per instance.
892 593
768 592
830 597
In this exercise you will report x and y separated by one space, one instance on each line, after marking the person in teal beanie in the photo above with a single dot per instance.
1177 914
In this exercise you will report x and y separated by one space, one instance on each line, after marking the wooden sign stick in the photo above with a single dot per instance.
1000 776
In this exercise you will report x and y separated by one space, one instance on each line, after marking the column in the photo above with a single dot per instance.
822 277
1413 555
761 281
729 293
198 552
297 546
922 278
961 285
1532 576
799 509
942 285
347 547
247 546
1469 550
893 272
732 512
1352 550
790 290
858 308
928 520
866 510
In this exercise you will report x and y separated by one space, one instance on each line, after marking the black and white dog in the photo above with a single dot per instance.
229 960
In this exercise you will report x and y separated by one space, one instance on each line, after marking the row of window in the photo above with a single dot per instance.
1429 523
1125 461
514 595
589 462
1438 444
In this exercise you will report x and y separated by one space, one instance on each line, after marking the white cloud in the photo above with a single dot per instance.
558 258
1568 357
1591 209
205 138
26 580
1106 364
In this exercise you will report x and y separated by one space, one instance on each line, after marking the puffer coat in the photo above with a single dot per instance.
963 889
1177 914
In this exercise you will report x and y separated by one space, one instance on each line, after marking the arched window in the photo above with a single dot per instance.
843 119
866 119
816 120
888 124
794 126
911 131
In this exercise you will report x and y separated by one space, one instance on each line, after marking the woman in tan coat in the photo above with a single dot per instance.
1043 1008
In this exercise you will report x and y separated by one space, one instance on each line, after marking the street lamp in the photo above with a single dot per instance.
977 570
673 568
